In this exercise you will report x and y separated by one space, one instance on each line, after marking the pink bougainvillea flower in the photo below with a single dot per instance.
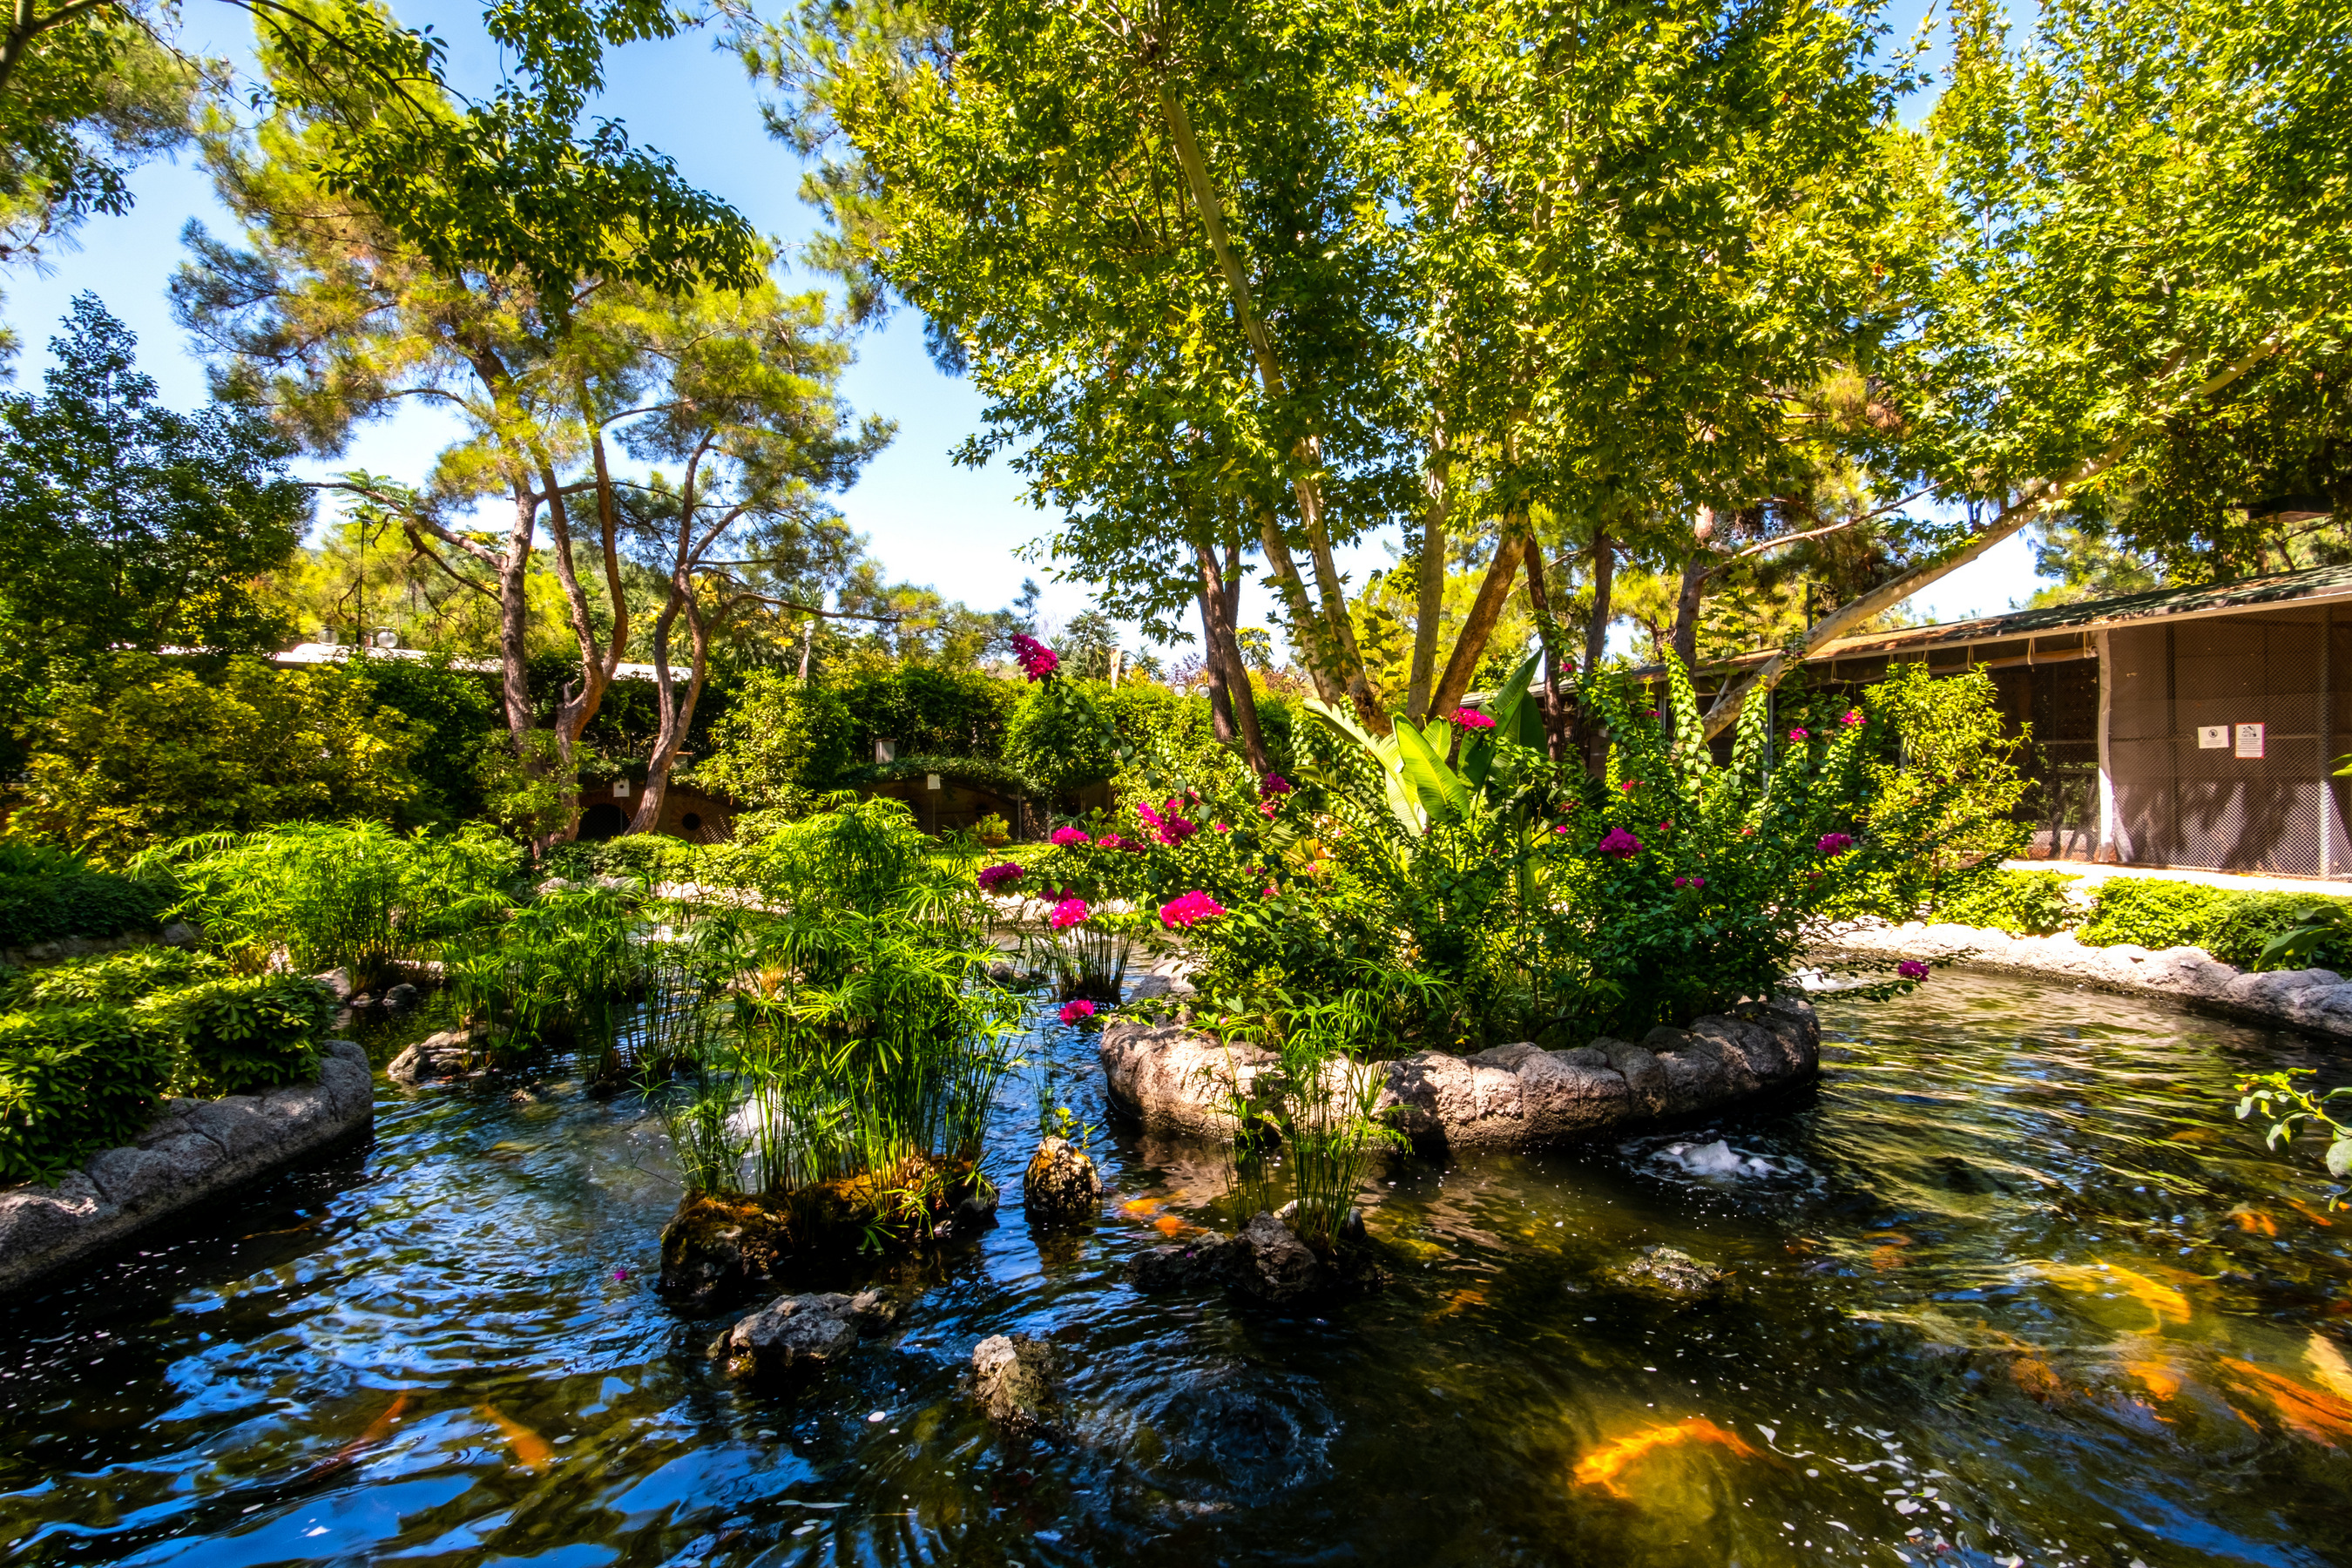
994 876
620 1277
1853 715
1070 911
1166 826
1798 734
1621 844
1912 969
1560 828
1066 836
1110 841
1190 908
1036 660
1629 783
1833 843
1273 784
1222 826
1471 718
1269 893
1077 1011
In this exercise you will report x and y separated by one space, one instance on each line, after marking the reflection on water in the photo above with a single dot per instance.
2011 1285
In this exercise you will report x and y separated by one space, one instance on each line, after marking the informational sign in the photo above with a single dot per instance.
2250 739
931 780
620 789
2212 737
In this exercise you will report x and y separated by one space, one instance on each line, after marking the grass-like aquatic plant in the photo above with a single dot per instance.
564 963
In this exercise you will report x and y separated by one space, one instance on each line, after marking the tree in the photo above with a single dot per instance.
128 525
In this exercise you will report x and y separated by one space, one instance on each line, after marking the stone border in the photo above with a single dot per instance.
2319 1000
196 1150
1512 1096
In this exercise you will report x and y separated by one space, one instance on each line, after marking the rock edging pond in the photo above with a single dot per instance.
2319 1000
1511 1097
194 1150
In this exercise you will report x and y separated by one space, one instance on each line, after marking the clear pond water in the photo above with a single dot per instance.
2016 1288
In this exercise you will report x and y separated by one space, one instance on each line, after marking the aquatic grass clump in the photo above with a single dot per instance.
354 896
560 966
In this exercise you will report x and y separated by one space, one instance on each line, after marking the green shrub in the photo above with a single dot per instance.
245 1034
2154 914
47 892
2023 903
2235 927
74 1080
118 978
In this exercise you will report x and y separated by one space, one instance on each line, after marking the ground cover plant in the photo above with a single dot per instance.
47 891
2023 903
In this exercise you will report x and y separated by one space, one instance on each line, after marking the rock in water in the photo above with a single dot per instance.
1060 1189
795 1335
1279 1266
436 1056
1014 1378
1674 1275
716 1248
1264 1261
400 998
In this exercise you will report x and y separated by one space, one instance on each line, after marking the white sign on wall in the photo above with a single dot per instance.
931 780
620 789
2212 737
2250 741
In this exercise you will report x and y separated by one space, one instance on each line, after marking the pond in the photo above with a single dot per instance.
2015 1287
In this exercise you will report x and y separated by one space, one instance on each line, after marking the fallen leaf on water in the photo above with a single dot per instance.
530 1449
2322 1418
1601 1467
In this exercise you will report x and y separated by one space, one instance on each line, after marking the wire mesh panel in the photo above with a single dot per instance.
2195 784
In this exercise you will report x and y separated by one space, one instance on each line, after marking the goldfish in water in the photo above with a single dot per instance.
1459 1301
2327 1365
1603 1465
2322 1418
375 1432
2169 1305
1142 1208
2253 1222
1169 1224
2313 1214
530 1450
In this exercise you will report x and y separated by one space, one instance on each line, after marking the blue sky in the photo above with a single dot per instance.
928 521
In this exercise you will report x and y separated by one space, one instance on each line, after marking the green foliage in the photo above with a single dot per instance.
126 525
781 744
1941 737
454 723
46 892
117 979
158 751
865 856
560 966
2290 1105
2023 903
74 1080
354 896
2252 931
1061 736
245 1034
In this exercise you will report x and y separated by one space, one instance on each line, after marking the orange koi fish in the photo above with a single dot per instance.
1459 1301
375 1432
2321 1417
530 1450
1142 1208
2328 1365
2313 1214
2168 1305
1169 1224
1602 1466
2253 1222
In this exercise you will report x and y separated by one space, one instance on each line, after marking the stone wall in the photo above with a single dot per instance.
1512 1096
196 1150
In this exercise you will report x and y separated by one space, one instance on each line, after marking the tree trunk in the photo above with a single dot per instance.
1494 590
1428 598
1548 631
1221 705
514 620
598 659
676 713
1218 592
1693 591
1305 627
1604 576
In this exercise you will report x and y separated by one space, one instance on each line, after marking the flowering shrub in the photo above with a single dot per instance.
1471 718
1036 660
1912 969
993 879
1076 1010
1166 826
1189 909
1070 911
1833 843
1063 837
1617 842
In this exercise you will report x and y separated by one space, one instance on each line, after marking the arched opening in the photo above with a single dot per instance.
602 821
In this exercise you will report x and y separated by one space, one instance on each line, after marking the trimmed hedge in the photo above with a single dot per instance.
46 893
2231 926
2023 903
74 1080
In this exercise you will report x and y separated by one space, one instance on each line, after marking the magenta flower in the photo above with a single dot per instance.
620 1277
1853 715
1269 893
1111 841
1222 826
1912 969
1273 784
1690 881
994 876
1797 735
1621 844
1070 911
1833 843
1471 718
1169 830
1629 785
1066 836
1188 910
1075 1012
1036 660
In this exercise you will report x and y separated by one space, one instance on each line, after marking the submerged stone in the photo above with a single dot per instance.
444 1055
1266 1262
1671 1274
1014 1378
795 1335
